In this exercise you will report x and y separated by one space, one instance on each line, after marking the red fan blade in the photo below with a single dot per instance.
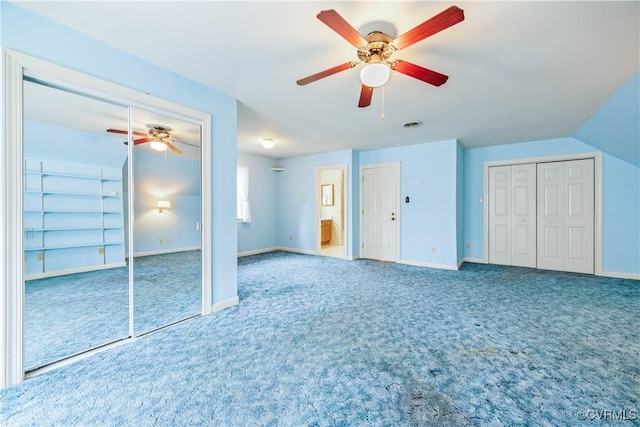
138 141
124 132
326 73
173 147
338 24
418 72
440 22
365 96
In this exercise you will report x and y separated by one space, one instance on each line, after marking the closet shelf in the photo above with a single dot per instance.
84 245
66 193
114 227
69 175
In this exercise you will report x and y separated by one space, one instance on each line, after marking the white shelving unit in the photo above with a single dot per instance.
73 218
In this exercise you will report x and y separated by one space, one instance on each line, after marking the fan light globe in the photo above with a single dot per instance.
268 143
157 145
375 75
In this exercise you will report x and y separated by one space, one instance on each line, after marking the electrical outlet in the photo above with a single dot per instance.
433 250
290 238
167 240
100 251
468 245
40 257
161 240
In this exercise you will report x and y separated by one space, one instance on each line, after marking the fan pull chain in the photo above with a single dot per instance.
165 158
382 115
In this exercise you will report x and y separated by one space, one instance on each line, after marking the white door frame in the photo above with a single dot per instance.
597 176
345 197
398 216
15 66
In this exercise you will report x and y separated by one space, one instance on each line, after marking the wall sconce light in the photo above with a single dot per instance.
163 205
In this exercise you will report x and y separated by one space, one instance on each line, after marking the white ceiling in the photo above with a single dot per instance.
518 71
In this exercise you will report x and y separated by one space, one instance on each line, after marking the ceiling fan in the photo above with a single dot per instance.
376 48
157 135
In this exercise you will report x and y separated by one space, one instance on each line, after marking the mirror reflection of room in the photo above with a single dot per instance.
167 266
79 227
76 277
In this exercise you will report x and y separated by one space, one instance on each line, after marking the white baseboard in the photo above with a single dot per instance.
286 249
474 260
166 251
74 271
620 275
296 250
429 265
225 304
258 251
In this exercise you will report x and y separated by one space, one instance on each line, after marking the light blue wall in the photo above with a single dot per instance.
428 175
261 232
460 202
621 216
615 128
353 205
54 142
176 179
297 220
26 32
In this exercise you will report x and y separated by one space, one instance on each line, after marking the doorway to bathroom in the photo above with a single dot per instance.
330 202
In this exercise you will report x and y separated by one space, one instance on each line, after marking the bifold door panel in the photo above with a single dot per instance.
542 215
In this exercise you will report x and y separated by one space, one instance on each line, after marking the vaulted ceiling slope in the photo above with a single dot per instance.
615 128
518 71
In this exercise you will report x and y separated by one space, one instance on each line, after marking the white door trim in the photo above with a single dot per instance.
396 165
15 66
345 197
597 158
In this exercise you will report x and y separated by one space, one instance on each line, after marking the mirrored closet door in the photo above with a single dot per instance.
76 275
112 222
166 255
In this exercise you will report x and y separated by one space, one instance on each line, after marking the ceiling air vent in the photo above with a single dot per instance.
412 124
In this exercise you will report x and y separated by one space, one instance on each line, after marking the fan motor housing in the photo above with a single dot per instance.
378 48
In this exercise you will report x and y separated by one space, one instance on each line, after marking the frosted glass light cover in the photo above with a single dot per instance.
375 75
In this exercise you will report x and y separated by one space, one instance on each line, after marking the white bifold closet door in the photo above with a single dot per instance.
566 216
512 215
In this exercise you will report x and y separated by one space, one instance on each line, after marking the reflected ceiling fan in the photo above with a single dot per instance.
158 137
375 51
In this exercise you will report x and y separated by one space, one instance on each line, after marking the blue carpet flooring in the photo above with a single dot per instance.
324 341
68 314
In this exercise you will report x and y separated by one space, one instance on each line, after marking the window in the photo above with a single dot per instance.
243 208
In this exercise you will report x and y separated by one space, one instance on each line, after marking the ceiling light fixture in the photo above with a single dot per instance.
158 145
268 143
375 75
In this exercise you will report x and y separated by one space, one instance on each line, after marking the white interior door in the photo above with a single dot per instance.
500 215
523 215
512 215
550 215
566 216
579 216
380 213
